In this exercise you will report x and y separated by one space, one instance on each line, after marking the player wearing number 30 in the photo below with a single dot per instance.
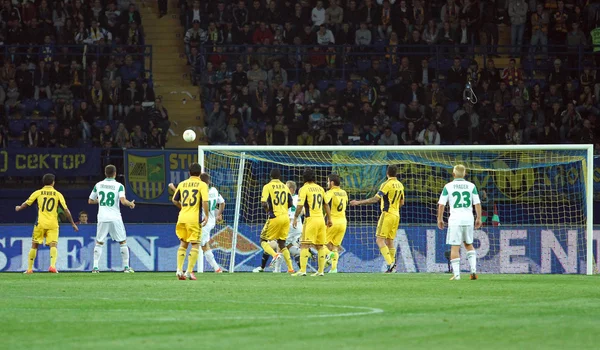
463 196
109 194
189 196
48 200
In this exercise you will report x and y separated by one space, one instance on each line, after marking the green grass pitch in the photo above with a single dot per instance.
268 311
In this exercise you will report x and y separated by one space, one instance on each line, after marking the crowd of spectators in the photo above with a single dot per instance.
393 71
73 74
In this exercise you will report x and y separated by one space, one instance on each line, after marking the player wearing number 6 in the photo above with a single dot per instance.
337 200
463 196
109 194
189 196
48 200
391 196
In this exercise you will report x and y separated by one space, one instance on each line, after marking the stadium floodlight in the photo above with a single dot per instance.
538 199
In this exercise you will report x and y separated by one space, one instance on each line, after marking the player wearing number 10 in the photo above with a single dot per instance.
189 196
110 194
463 196
48 200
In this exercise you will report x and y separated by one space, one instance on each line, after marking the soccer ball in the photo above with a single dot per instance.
189 135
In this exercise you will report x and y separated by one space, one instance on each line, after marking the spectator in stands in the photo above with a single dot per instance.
463 37
430 135
388 138
557 76
570 123
575 38
560 18
33 137
12 97
194 37
318 15
67 139
535 121
456 79
277 76
384 29
136 116
539 30
261 33
494 135
587 133
334 15
106 137
512 135
41 81
503 95
139 139
517 11
130 96
466 123
450 14
121 138
325 36
511 75
131 15
83 218
156 139
97 98
51 136
413 95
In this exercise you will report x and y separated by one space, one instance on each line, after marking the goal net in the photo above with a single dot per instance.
537 203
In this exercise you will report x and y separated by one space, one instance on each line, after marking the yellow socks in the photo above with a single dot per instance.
288 259
53 256
327 251
32 254
334 260
180 258
267 248
322 259
304 254
192 260
393 254
385 252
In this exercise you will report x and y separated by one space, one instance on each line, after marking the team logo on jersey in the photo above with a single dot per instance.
223 240
146 175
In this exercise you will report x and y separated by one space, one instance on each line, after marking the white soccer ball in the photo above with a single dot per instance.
189 136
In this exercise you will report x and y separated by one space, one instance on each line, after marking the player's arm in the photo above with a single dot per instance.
477 204
221 209
376 198
301 199
176 196
93 198
63 204
205 206
441 206
124 200
28 202
264 198
328 213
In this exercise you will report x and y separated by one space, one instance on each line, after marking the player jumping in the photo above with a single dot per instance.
391 195
337 199
463 196
189 196
312 198
48 200
109 194
276 199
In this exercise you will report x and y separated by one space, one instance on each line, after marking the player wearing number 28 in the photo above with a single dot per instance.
109 195
189 196
463 196
391 196
312 198
276 199
48 200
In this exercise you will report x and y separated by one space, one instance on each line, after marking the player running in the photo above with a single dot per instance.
109 194
189 196
216 206
463 196
276 199
48 200
312 198
337 199
391 196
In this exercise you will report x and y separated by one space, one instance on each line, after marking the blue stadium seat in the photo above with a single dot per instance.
363 65
394 108
340 85
322 85
28 106
100 123
15 144
348 128
452 107
396 128
16 126
45 106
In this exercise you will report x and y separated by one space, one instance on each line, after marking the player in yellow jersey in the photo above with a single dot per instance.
190 195
337 199
312 198
48 200
391 196
276 199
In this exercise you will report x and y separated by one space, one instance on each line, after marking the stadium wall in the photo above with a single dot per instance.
501 249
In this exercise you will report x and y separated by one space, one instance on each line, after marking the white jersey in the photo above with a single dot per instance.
108 192
214 200
293 208
462 196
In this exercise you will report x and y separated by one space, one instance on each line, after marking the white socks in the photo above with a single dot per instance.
472 257
455 267
294 251
97 254
125 255
211 259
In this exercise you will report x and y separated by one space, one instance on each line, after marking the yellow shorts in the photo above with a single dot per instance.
335 233
276 228
387 225
51 235
314 231
188 232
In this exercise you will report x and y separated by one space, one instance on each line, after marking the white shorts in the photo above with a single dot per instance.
206 230
116 229
456 235
294 235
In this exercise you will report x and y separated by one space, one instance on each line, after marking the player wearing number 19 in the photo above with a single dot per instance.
391 195
463 196
189 196
110 194
48 200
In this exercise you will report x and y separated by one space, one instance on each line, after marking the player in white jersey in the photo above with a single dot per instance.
216 206
109 194
462 196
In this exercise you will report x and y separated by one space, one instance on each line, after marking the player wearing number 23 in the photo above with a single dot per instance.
48 200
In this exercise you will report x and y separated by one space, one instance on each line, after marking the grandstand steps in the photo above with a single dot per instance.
171 75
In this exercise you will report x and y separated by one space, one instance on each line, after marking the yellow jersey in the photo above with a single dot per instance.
312 197
48 200
278 197
191 193
391 194
337 200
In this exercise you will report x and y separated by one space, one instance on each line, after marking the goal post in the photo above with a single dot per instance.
538 202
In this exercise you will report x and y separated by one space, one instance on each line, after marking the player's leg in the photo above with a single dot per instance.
321 231
381 239
305 243
37 238
182 234
294 249
208 254
52 241
194 239
471 253
265 237
453 238
101 233
284 231
117 232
